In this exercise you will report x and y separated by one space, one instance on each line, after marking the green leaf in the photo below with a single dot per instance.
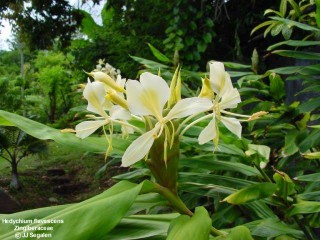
204 178
268 11
309 140
196 227
91 219
132 175
276 29
208 162
234 65
272 228
277 87
315 177
107 13
283 7
209 22
160 56
43 132
149 63
236 74
305 207
318 13
311 105
284 237
89 26
5 122
261 209
295 7
312 155
268 29
239 233
298 54
261 25
207 37
145 202
294 43
286 32
255 192
310 196
303 70
291 147
201 47
261 153
38 213
262 150
142 227
285 185
193 25
189 40
296 24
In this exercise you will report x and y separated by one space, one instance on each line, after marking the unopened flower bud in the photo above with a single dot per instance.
106 79
115 98
257 115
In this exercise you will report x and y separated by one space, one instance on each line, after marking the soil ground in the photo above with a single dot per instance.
59 177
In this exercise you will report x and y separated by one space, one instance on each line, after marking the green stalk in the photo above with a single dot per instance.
165 170
179 205
265 176
174 199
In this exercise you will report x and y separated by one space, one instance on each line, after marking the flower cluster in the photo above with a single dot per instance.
107 68
151 101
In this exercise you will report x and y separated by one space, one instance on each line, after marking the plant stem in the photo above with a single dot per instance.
216 232
265 176
303 228
179 205
174 199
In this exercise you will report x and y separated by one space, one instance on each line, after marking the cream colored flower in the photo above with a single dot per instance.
148 98
94 93
224 96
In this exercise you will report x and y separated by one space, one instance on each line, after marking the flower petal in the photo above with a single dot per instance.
117 112
208 133
86 128
95 94
139 147
189 106
219 78
233 125
230 99
149 96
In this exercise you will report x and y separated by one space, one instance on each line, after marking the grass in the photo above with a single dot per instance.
37 189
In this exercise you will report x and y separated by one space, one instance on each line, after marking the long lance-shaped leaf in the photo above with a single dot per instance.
142 227
272 228
298 54
207 162
296 24
91 219
305 207
249 194
294 43
160 56
43 132
303 70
